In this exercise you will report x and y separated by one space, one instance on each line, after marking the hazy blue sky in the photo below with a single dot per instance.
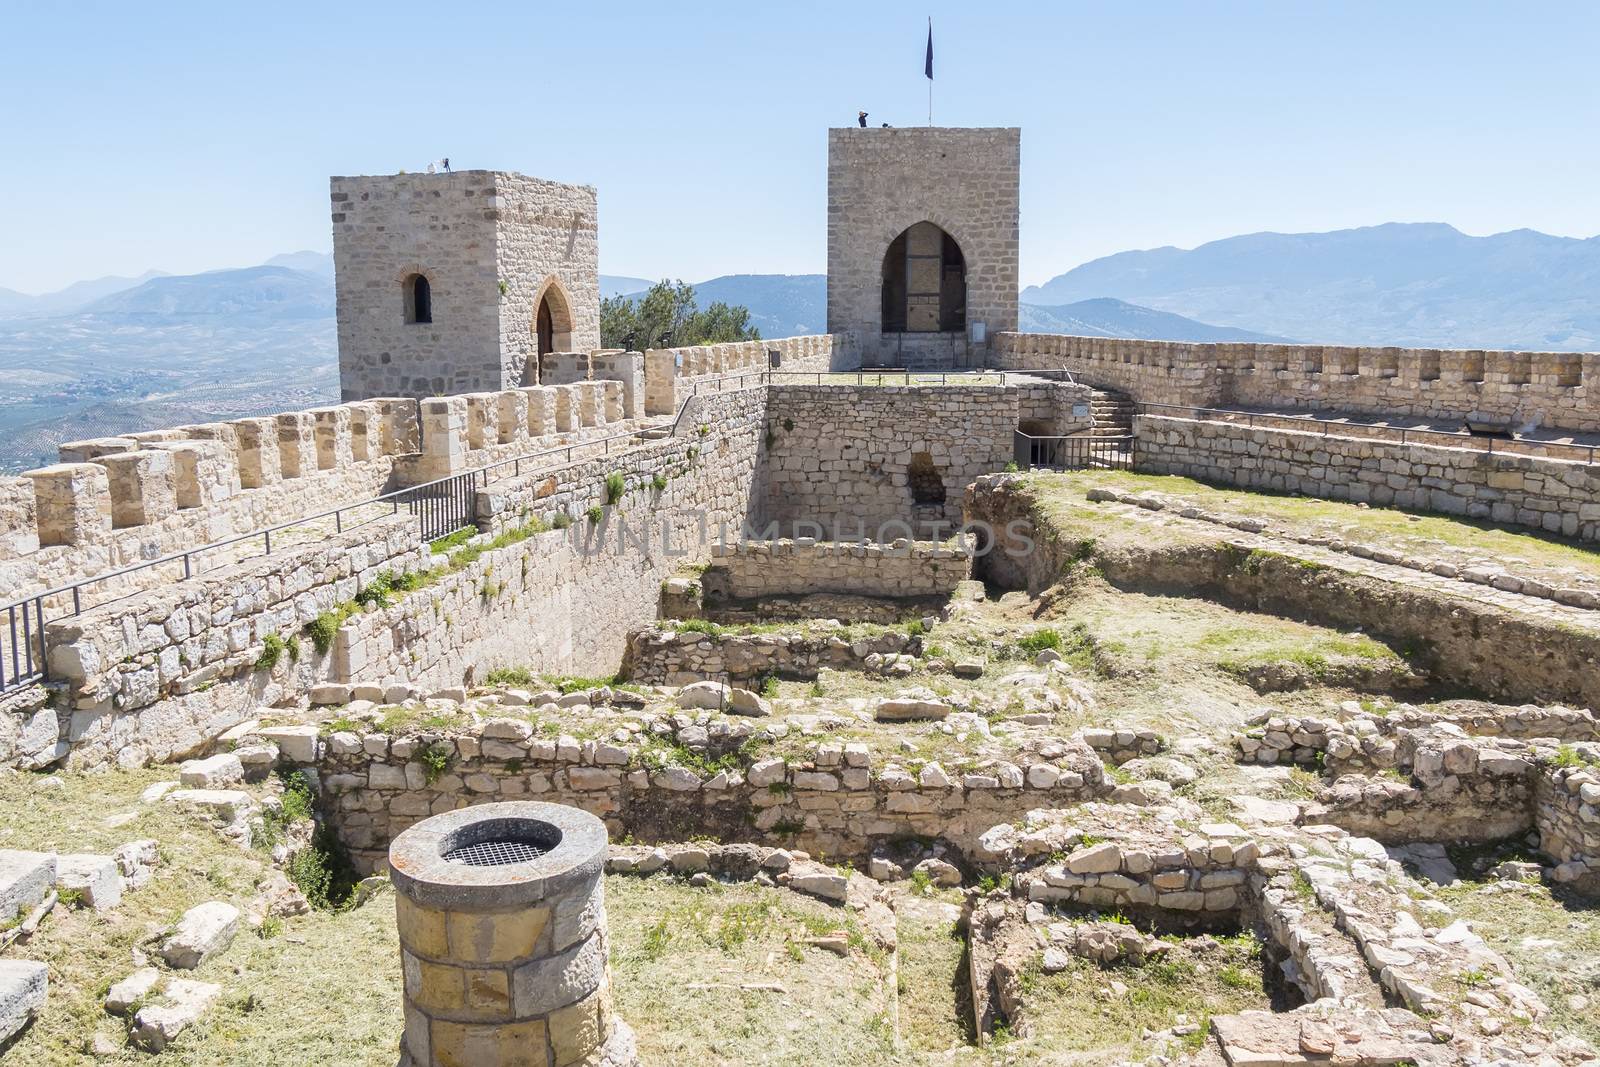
192 136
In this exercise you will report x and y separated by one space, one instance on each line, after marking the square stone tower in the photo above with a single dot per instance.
922 241
456 283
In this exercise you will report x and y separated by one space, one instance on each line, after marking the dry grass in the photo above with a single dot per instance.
1079 1017
324 990
1411 531
687 963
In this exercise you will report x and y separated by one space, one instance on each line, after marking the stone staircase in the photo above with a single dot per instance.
1112 413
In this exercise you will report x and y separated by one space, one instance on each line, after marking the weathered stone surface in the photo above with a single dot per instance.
213 772
205 930
24 986
181 1003
907 710
25 879
132 989
95 879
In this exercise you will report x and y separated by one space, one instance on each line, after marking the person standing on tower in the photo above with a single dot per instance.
862 118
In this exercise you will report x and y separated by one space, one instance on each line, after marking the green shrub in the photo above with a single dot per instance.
915 628
595 514
511 676
616 485
435 760
769 686
561 520
325 627
659 482
1039 640
271 651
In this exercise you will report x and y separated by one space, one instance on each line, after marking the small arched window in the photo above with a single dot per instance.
419 299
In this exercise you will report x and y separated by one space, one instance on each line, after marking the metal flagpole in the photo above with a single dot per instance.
928 70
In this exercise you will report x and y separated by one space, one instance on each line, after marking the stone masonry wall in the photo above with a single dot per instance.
751 570
881 182
672 375
153 676
834 803
469 233
843 455
1567 814
563 601
1552 390
1559 496
115 502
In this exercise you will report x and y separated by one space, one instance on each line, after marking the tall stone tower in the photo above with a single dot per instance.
922 242
456 283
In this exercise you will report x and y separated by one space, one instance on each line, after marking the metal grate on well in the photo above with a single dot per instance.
496 852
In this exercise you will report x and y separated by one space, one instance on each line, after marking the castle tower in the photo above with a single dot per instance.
922 242
456 283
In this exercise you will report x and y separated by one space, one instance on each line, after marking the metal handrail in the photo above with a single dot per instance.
1455 437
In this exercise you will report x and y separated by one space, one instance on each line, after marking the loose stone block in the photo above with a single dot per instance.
213 772
182 1003
25 879
132 989
24 987
143 486
205 930
95 878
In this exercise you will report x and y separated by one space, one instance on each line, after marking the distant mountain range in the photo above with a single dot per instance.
1407 284
118 354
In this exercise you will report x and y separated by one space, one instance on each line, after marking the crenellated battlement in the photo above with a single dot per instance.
1515 390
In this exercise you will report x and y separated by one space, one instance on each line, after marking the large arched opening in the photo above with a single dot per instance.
924 282
552 320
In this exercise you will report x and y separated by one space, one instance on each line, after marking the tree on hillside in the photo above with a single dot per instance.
667 317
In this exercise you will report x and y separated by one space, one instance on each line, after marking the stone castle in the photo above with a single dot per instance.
497 492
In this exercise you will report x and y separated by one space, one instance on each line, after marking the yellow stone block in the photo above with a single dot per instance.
421 929
439 988
575 1030
502 1045
488 993
497 937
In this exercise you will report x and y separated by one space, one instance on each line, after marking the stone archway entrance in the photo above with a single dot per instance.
924 283
552 320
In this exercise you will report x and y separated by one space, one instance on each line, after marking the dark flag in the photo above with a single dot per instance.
927 68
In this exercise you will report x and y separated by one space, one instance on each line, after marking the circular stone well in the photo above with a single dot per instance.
501 911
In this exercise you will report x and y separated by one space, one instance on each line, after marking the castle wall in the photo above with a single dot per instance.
842 455
881 182
751 570
156 675
1546 390
376 787
1558 496
563 601
469 233
672 375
